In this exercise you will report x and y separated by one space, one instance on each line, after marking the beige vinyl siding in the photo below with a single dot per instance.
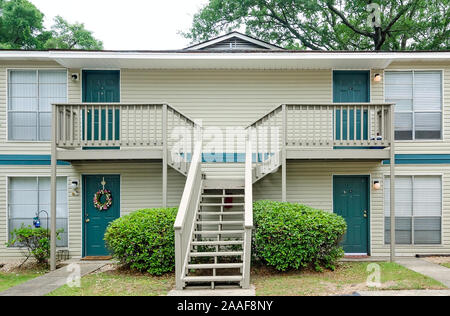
222 98
311 183
225 98
141 187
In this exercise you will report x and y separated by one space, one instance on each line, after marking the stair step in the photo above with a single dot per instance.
221 213
215 266
229 278
222 204
223 196
219 232
220 222
217 254
218 243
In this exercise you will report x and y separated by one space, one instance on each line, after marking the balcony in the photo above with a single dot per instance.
121 131
321 131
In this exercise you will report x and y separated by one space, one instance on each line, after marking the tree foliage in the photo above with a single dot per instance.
22 27
330 24
71 36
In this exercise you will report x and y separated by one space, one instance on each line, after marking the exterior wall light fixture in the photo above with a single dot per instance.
376 185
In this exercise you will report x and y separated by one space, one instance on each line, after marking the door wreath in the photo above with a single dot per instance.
103 206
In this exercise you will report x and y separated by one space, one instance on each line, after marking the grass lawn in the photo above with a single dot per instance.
119 283
347 279
10 279
447 265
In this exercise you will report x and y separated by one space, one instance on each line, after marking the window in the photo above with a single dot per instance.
418 99
30 96
418 209
27 195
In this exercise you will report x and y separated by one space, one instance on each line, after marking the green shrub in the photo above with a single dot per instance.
144 240
36 241
293 236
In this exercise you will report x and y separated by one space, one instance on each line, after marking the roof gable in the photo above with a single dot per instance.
234 41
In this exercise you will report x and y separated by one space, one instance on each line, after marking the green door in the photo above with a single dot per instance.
101 86
351 87
351 201
95 221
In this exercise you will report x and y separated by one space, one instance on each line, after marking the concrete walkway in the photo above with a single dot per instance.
218 292
51 281
432 270
405 293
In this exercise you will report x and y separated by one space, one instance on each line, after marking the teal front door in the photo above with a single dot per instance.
351 87
96 221
351 201
102 86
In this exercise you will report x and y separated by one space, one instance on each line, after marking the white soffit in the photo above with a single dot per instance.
252 60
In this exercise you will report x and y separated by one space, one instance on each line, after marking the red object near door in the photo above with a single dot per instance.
229 200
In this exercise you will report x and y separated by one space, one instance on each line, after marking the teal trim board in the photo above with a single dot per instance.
28 160
420 159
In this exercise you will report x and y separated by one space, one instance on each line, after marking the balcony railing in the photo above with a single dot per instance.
118 125
306 127
142 127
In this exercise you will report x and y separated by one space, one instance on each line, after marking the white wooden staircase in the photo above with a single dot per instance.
217 248
213 228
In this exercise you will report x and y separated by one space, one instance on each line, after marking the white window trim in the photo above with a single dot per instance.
413 244
442 139
7 178
8 70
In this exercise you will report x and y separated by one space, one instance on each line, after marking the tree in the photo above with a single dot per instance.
20 24
330 24
71 36
22 27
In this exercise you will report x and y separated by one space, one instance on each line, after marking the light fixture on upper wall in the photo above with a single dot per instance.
74 185
75 77
377 78
377 185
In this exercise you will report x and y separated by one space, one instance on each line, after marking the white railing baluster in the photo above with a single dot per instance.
113 125
107 125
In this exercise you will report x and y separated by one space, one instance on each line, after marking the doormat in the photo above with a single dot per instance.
99 258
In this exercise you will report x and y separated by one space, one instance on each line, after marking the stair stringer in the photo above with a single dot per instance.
192 232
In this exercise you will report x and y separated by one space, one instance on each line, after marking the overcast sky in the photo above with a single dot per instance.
130 24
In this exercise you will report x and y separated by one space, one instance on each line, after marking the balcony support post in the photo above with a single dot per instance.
284 156
53 191
165 156
392 179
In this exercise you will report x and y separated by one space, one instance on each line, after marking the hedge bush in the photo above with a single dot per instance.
293 236
144 240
